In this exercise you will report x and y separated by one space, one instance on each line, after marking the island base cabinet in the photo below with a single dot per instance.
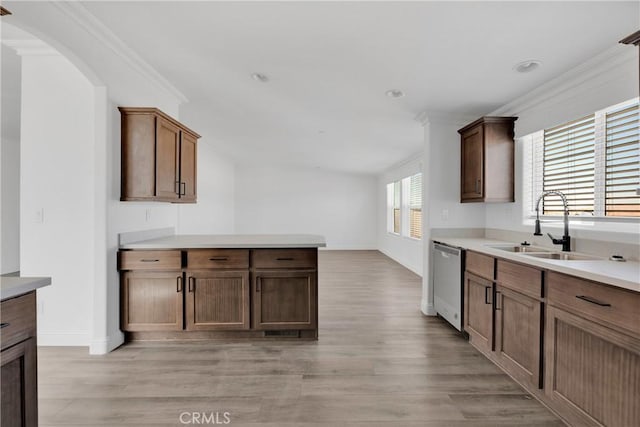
478 311
19 385
284 300
592 372
517 343
217 300
151 301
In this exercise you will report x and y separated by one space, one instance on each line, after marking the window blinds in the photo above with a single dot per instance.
415 206
622 170
397 186
569 166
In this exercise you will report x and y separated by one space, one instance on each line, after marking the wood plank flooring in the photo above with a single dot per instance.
378 362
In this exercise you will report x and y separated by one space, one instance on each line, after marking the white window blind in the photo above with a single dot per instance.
622 170
415 206
594 161
397 202
568 166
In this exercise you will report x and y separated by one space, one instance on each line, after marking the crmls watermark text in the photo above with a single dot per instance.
205 418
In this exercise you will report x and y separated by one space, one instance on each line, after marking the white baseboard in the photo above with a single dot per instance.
106 345
77 339
427 308
410 267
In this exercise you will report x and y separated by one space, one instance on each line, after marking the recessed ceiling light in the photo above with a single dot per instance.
394 93
259 77
527 66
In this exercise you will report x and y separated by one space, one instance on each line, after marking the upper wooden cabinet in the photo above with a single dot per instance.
159 157
487 160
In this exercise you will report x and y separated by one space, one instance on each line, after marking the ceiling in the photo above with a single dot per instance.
329 65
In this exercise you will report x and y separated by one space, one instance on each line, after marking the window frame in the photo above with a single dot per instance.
404 185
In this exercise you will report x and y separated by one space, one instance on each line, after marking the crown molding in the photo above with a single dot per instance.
430 116
31 47
600 67
77 12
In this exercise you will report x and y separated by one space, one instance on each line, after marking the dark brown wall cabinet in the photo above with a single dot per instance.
19 380
487 160
159 157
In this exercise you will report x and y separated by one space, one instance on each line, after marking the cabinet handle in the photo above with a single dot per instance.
219 258
183 188
477 186
149 260
593 301
486 295
192 285
179 284
257 284
4 325
284 259
177 189
498 308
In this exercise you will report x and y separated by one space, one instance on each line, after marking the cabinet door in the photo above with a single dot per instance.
285 299
478 311
188 168
151 301
167 160
472 168
217 300
19 385
592 373
518 325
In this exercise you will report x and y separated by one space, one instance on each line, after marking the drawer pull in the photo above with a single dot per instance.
593 301
4 325
192 285
219 258
285 259
149 260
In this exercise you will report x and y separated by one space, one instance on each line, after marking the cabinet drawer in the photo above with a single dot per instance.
481 265
595 301
218 258
527 280
285 258
18 316
150 260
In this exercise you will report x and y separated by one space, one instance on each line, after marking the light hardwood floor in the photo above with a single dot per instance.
378 362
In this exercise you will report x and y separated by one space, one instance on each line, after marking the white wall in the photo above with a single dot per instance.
405 250
57 133
10 155
605 80
339 206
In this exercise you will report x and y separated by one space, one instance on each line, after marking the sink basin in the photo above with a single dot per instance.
510 248
564 256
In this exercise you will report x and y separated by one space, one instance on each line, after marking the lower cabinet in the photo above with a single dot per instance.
284 299
18 360
217 300
151 301
478 311
517 337
593 372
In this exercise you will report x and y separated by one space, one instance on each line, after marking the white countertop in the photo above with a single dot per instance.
621 274
12 286
196 241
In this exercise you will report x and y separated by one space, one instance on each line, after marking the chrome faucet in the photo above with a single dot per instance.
566 240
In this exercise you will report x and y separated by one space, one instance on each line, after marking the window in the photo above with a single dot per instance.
404 206
594 161
415 206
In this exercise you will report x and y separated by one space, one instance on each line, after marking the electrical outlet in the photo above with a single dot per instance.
444 214
38 216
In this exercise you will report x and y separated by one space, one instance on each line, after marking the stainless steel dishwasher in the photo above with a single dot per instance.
448 262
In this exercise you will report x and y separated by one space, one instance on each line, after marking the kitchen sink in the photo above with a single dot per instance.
564 256
510 248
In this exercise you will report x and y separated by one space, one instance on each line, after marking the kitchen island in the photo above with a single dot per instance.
19 349
220 286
